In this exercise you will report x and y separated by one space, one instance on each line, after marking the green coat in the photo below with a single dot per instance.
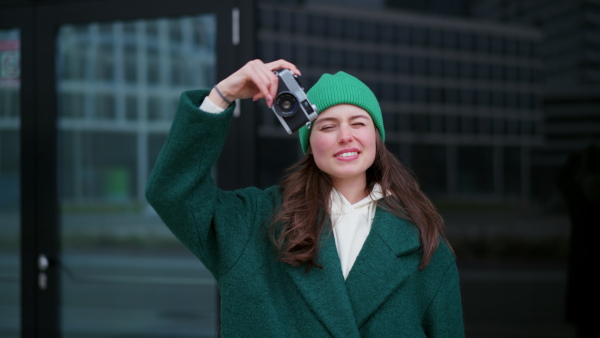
383 296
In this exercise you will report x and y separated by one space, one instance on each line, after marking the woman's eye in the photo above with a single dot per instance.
358 124
326 127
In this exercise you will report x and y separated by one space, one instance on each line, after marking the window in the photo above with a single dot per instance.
475 169
419 37
498 45
336 26
405 64
404 35
429 162
436 95
421 94
372 31
484 97
499 99
512 73
498 72
512 170
267 19
467 96
435 38
512 100
450 39
300 26
406 93
388 63
438 123
420 66
435 67
450 68
512 47
484 71
467 69
388 92
286 21
483 43
451 95
354 30
466 42
388 33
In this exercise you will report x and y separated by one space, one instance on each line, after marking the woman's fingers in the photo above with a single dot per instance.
283 64
264 78
279 64
255 79
266 81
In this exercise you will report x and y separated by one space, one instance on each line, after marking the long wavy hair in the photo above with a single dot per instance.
305 209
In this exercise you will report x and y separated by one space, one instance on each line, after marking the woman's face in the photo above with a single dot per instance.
342 141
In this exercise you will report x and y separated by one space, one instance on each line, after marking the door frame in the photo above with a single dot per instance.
38 23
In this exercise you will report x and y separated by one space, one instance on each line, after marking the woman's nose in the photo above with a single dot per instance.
345 135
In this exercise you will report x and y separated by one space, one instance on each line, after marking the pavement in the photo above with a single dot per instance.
512 297
512 265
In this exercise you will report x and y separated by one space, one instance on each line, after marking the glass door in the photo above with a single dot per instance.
10 237
88 90
118 85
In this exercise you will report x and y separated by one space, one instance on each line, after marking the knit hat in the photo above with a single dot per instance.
342 88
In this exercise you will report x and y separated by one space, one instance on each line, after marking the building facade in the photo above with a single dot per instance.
570 51
461 99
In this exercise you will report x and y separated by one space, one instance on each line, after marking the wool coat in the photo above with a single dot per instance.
384 295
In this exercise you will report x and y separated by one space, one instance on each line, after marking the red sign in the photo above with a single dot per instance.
10 63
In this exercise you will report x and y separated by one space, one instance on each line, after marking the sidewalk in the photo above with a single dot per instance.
513 271
514 299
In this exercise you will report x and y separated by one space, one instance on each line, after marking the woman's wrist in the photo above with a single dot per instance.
219 98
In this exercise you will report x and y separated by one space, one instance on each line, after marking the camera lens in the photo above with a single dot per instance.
286 104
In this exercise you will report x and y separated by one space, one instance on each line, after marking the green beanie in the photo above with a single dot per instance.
342 88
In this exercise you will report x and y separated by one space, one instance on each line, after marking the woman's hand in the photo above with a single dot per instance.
255 79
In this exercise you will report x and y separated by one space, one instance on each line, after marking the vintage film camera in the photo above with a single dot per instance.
291 106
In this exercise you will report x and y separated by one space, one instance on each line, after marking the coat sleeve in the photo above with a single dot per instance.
445 315
213 224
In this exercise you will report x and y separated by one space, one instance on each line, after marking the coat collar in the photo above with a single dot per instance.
325 291
390 254
343 306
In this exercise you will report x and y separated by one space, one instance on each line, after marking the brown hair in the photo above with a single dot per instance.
301 218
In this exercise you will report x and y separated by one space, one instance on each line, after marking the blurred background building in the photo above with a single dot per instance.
484 100
461 99
570 51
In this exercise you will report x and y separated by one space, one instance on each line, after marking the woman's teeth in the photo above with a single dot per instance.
353 153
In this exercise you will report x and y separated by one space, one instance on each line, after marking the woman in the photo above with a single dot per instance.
346 246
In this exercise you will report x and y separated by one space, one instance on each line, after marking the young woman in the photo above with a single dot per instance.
346 246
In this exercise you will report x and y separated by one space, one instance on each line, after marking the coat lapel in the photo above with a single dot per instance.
378 270
325 292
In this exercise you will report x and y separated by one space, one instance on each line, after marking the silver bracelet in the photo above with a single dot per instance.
222 96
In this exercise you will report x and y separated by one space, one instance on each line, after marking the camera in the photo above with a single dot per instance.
291 106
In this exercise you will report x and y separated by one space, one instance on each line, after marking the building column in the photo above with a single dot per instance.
525 174
498 170
451 170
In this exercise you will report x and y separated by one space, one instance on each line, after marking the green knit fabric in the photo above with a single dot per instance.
342 88
385 295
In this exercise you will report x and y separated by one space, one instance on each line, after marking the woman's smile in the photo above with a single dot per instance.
347 154
342 142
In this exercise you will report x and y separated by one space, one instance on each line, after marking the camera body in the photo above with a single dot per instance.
291 105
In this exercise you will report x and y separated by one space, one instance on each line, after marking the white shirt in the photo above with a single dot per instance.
209 107
352 224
